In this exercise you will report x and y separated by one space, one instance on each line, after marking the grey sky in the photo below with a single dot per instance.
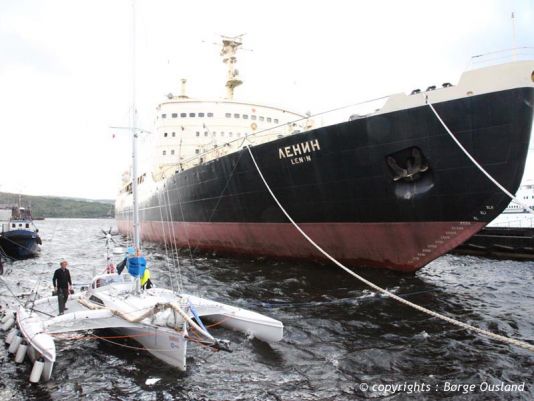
65 68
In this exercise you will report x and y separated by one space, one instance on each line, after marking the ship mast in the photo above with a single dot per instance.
228 53
136 240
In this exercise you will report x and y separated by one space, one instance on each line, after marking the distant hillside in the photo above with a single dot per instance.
49 206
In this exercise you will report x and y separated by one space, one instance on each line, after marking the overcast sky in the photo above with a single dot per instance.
65 68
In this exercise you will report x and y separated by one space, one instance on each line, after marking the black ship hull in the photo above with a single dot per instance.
391 190
20 244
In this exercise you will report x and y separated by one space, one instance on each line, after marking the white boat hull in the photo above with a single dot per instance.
158 319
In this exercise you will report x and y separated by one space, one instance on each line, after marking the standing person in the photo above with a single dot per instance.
62 285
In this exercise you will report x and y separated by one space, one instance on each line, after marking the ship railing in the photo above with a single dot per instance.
500 56
305 123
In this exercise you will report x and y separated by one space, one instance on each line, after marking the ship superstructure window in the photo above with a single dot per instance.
197 151
245 116
164 153
183 115
236 115
13 225
210 114
228 115
222 133
27 225
230 134
198 133
276 120
213 133
253 117
262 118
201 114
173 134
172 151
164 116
191 114
205 133
174 115
269 119
165 135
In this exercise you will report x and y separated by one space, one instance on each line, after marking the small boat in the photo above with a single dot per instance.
162 321
19 238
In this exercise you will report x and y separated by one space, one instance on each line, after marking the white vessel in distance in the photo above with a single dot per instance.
525 194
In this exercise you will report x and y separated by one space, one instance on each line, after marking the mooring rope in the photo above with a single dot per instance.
498 337
527 208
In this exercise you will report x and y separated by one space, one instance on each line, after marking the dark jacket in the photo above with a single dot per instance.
61 278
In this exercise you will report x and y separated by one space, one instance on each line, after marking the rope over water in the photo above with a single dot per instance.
497 337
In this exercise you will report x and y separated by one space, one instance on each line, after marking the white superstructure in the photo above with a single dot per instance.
189 131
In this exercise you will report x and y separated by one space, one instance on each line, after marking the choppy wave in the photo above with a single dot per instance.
338 334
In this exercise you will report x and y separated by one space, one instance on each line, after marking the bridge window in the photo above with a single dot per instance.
236 115
183 115
210 114
174 115
228 115
253 117
191 114
201 114
245 116
164 116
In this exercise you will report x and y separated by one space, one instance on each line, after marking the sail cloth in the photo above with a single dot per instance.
136 265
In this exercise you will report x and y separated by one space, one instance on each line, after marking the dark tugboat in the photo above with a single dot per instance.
19 238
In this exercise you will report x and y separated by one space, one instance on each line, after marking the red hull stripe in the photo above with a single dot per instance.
398 246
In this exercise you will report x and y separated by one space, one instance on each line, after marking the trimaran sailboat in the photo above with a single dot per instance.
161 320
